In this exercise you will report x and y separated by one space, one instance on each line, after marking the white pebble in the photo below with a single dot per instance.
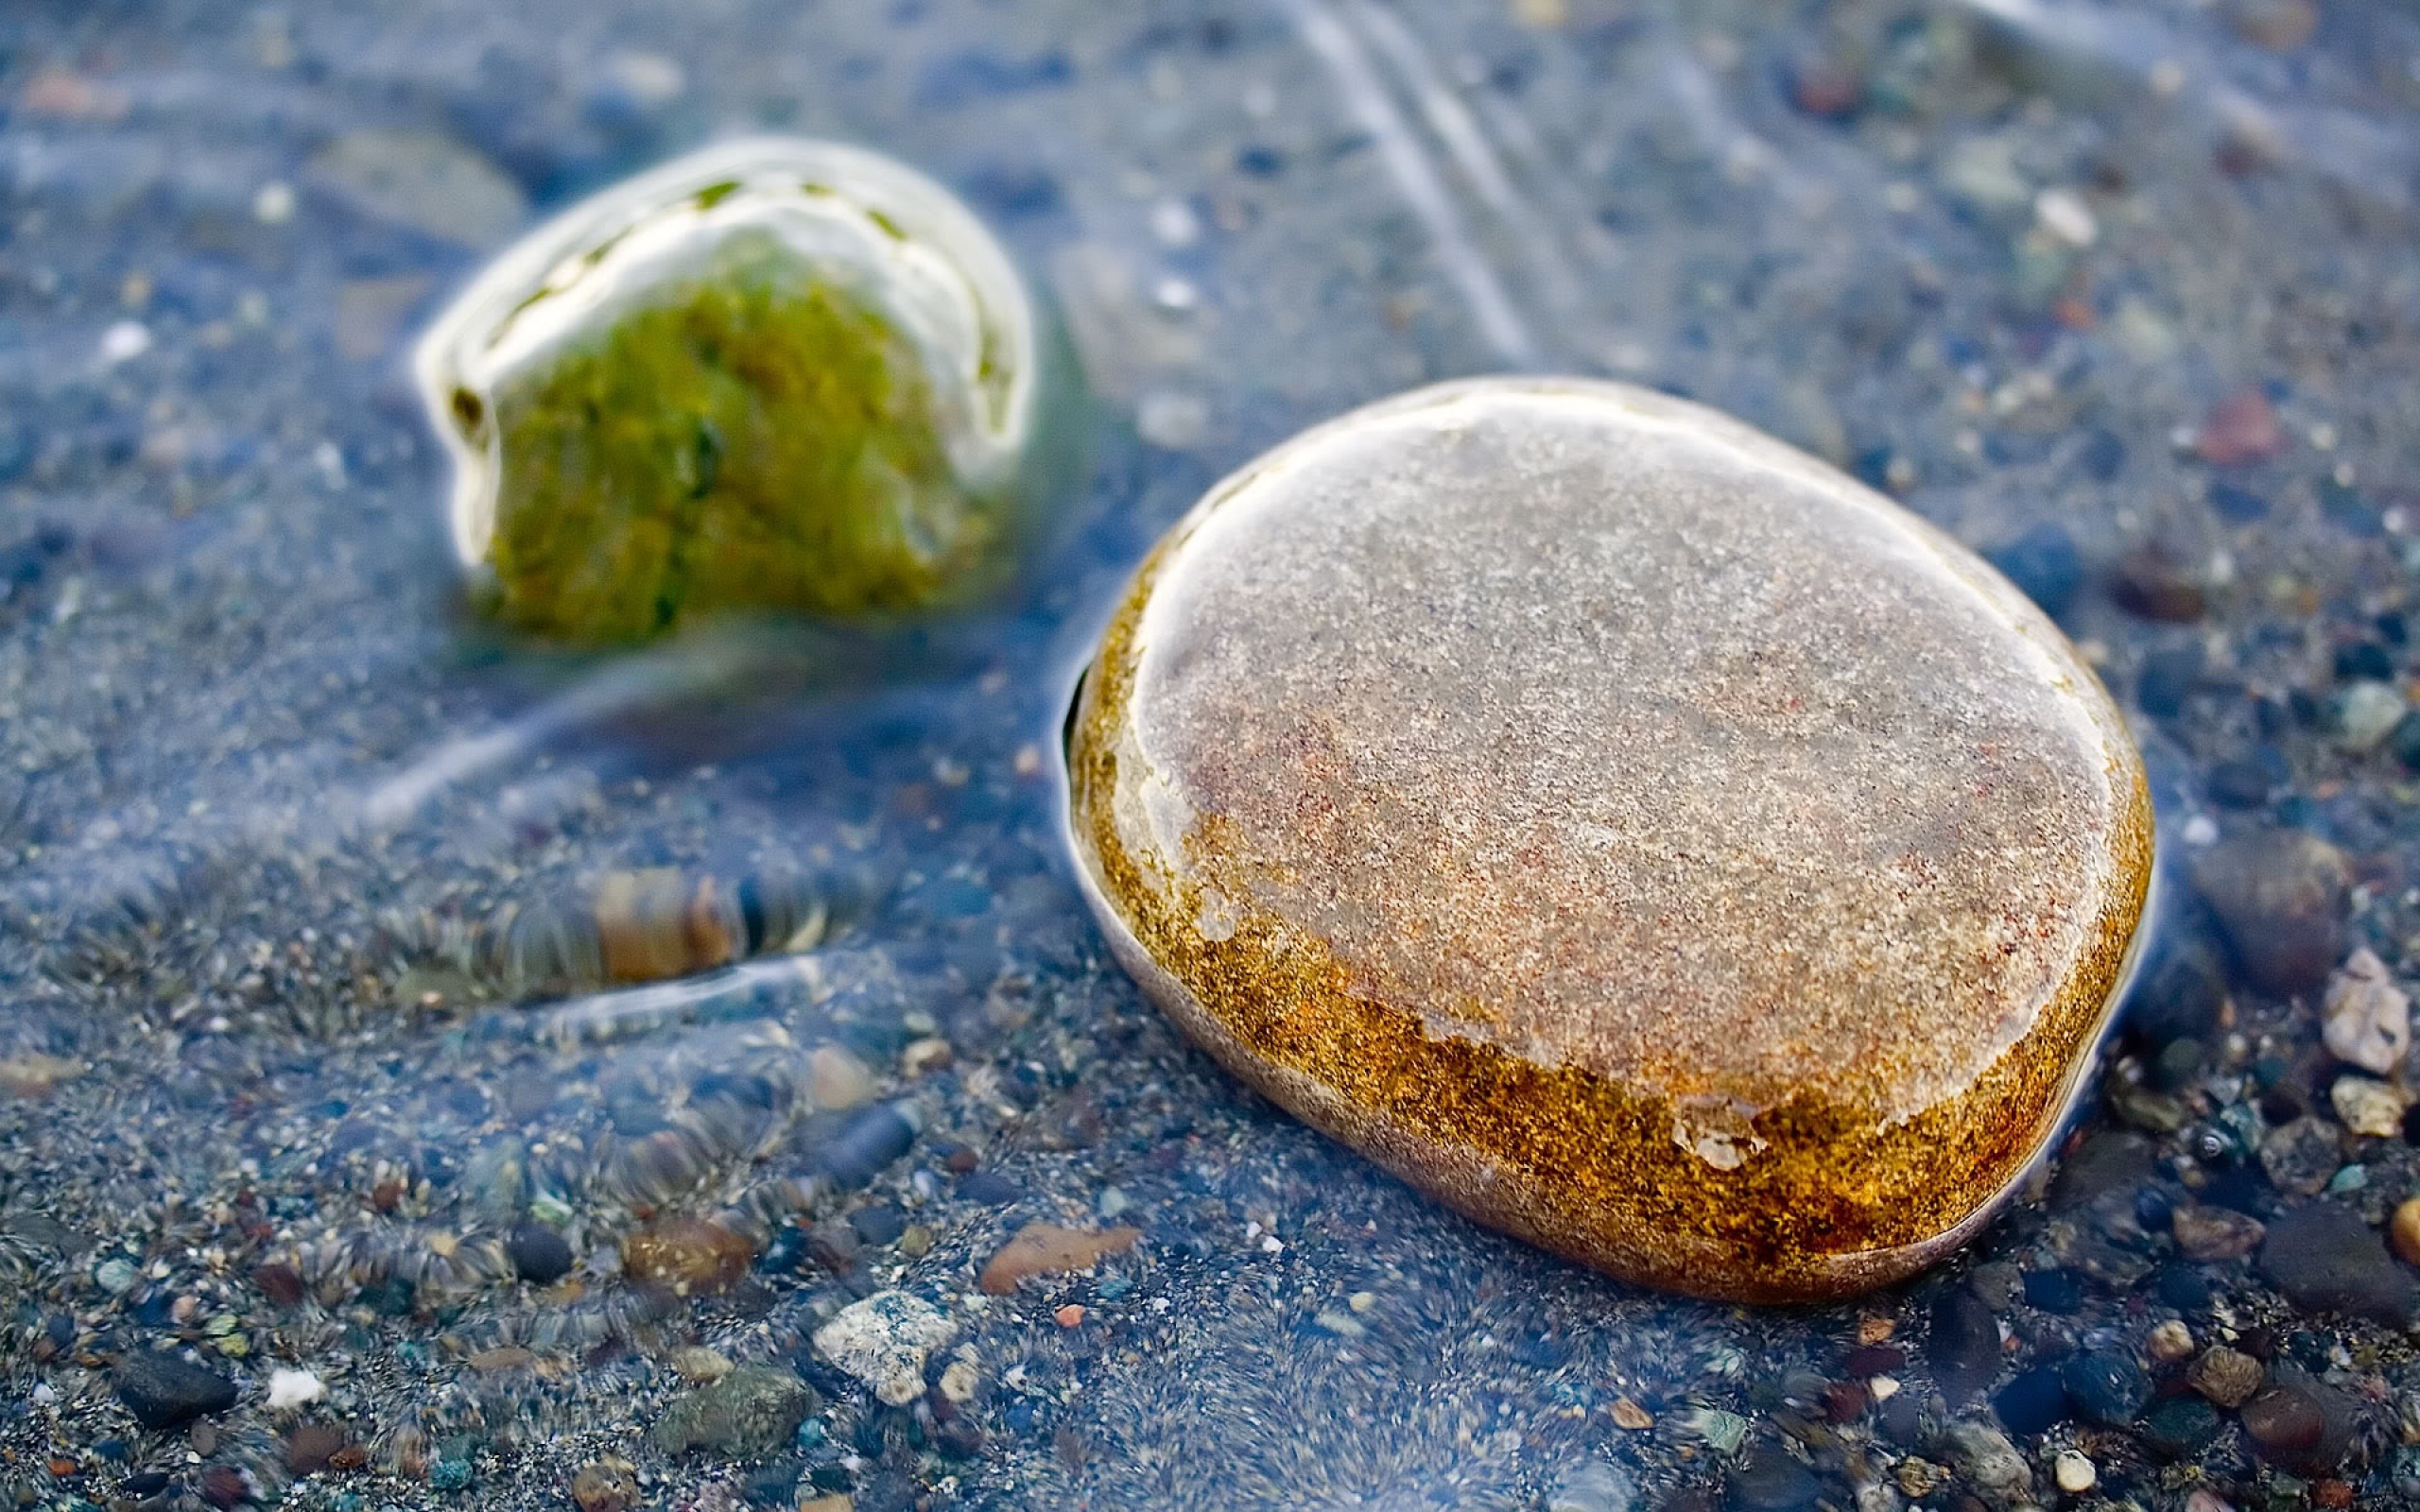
2064 215
883 1340
2074 1472
125 340
2366 1018
1174 421
1175 224
293 1389
274 205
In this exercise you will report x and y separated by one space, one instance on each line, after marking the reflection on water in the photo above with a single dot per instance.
348 1053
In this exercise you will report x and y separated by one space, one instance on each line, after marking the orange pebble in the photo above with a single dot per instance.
1071 1316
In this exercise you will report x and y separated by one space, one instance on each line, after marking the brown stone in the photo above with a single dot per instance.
658 923
1046 1249
604 1485
2227 1377
686 1256
313 1446
280 1282
2241 427
2285 1421
1625 827
2403 1230
2215 1234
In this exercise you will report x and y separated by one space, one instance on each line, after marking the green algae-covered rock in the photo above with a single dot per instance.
775 375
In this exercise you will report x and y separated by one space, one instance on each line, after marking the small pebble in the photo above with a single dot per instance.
2227 1377
1593 1485
1048 1249
166 1391
686 1256
539 1255
752 1410
869 1141
879 1225
2365 1019
313 1447
2280 896
604 1485
2064 215
924 1057
2240 428
2366 714
883 1341
289 1389
2326 1260
700 1365
2368 1108
2286 1421
1769 1480
2301 1155
2207 1234
2169 1341
2181 1427
2107 1387
838 1080
2403 1230
1071 1316
959 1380
2074 1472
1989 1462
124 341
1964 1347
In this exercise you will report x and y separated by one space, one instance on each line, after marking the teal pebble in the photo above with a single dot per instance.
450 1474
1113 1287
810 1434
2351 1179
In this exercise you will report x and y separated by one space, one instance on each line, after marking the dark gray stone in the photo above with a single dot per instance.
164 1391
2325 1258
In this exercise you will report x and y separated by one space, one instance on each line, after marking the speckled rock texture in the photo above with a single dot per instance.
1620 825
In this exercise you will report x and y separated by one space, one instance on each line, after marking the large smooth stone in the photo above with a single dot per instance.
1619 825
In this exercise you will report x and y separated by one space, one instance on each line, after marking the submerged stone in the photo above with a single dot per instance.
1622 826
773 375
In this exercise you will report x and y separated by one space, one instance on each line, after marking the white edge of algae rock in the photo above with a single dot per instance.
890 234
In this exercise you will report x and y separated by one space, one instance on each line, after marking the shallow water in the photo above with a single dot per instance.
268 794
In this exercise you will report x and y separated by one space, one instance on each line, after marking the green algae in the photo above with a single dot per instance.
759 436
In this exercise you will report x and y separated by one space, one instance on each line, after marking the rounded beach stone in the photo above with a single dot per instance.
775 375
1620 825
